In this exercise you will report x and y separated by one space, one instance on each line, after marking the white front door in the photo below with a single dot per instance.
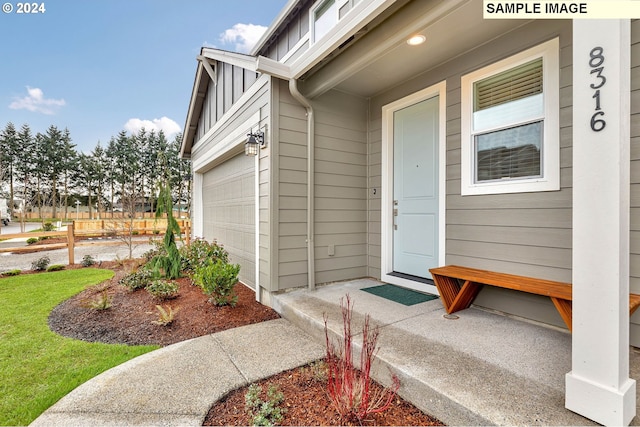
416 188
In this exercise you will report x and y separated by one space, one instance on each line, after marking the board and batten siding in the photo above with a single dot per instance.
524 233
292 32
232 82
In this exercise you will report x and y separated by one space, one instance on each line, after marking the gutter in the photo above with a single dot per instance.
293 88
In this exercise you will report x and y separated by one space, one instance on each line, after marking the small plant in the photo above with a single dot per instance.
135 232
165 316
47 226
101 302
41 263
163 289
15 272
349 390
137 280
264 412
87 261
32 240
55 267
318 370
198 252
217 280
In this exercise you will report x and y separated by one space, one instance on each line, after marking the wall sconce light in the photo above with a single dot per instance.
254 140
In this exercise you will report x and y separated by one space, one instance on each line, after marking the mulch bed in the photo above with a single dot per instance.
130 321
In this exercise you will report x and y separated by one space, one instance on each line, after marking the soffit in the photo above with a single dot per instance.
449 35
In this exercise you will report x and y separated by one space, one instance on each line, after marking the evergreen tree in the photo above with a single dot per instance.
9 154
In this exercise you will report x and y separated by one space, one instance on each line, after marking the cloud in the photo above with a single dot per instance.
36 102
245 36
165 124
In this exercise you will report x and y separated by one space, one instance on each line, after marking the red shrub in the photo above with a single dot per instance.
349 389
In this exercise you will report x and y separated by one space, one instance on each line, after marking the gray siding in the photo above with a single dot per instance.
292 189
527 233
340 187
232 83
635 176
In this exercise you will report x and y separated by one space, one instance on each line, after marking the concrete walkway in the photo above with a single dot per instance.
481 369
176 385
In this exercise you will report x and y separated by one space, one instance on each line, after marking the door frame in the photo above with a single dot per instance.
386 223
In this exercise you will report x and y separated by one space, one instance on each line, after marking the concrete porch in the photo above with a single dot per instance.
481 369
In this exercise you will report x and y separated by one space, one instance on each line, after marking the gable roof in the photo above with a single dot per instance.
365 12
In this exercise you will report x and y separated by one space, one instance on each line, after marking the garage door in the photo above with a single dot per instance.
229 211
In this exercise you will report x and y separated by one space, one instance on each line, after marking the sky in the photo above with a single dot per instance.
98 67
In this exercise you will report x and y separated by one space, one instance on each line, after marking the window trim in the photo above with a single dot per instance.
550 162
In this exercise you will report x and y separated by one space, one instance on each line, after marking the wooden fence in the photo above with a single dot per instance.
116 229
73 215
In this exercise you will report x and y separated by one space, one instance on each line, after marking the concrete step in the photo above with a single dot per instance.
481 369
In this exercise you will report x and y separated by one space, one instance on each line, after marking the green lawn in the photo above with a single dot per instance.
38 367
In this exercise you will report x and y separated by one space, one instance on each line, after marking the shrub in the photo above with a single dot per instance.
217 280
165 317
40 264
47 226
198 252
15 272
264 412
137 280
100 302
350 390
32 240
87 261
163 289
55 267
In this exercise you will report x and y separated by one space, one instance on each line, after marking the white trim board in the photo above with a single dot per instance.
229 146
386 259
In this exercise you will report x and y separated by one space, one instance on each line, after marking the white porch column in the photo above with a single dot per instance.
598 386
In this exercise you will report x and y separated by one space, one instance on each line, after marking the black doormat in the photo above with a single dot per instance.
400 295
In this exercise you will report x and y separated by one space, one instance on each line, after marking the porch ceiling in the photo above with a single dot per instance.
449 33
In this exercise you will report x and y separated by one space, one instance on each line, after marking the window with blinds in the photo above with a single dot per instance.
510 120
505 145
511 85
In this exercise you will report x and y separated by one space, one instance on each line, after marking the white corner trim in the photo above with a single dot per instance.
256 202
233 143
386 258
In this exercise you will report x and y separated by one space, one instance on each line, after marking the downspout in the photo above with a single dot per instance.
293 88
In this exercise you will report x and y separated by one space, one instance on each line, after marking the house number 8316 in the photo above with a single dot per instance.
596 62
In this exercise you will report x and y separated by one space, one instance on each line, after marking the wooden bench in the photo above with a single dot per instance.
458 296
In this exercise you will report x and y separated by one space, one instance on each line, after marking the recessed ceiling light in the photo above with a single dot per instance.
416 40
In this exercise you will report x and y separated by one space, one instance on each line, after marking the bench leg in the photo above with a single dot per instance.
564 308
455 297
465 297
448 289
